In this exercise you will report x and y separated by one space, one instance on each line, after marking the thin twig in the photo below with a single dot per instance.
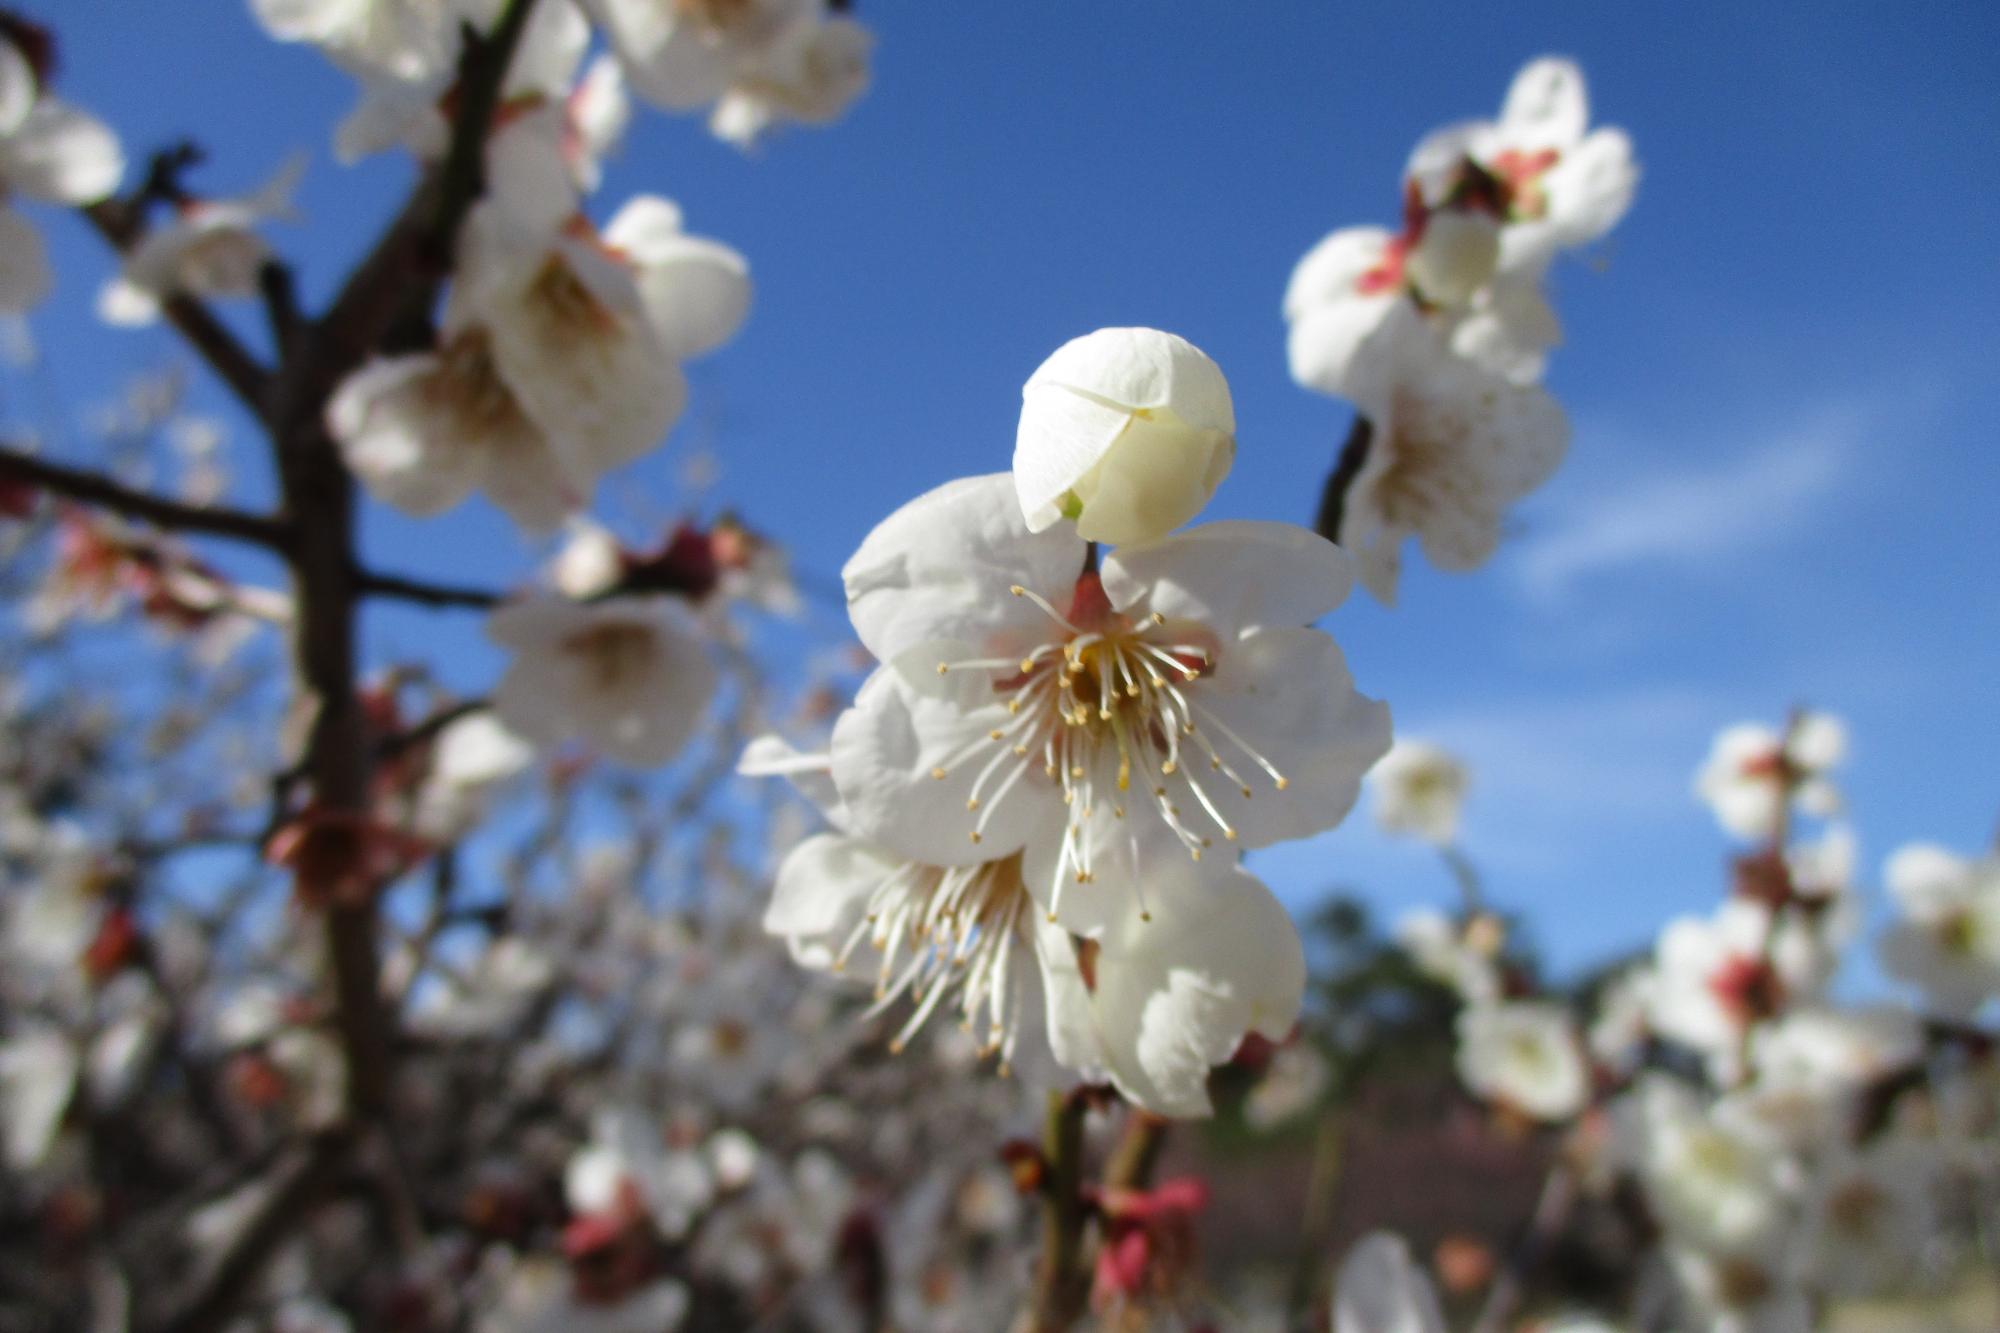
98 489
1333 499
425 593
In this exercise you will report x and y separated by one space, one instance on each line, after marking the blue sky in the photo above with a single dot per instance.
1780 369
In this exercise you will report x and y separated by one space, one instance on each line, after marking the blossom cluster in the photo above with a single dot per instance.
1040 795
1439 332
1792 1146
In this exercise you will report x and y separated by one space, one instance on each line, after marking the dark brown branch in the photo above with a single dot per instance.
425 593
1347 467
119 223
95 488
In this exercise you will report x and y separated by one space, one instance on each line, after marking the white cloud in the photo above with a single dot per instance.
1695 518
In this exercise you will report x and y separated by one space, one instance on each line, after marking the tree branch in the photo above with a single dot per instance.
425 593
95 488
1333 499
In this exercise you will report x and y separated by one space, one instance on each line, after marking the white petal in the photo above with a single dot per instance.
1332 270
1588 191
599 111
25 276
670 61
1177 994
1287 693
1546 107
821 893
1139 368
573 342
18 87
1231 576
38 1069
940 568
886 748
696 290
812 774
61 155
1381 1289
1925 878
389 432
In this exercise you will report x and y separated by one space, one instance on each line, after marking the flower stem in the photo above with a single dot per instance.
1061 1285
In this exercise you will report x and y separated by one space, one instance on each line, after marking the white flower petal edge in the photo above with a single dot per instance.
1213 959
939 569
1381 1289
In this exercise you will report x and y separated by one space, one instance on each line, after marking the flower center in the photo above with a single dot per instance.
612 655
570 307
942 930
1107 707
468 384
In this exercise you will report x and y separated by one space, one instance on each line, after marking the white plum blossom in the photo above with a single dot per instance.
1126 431
1715 977
629 676
1419 788
1164 993
1487 206
628 1166
1381 1289
50 152
1753 773
399 38
1025 703
809 76
1871 1213
1836 1052
209 247
1461 956
1530 185
1526 1055
1714 1185
558 361
756 62
1450 447
1947 940
409 105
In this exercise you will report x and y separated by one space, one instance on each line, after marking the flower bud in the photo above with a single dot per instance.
1126 431
1456 256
